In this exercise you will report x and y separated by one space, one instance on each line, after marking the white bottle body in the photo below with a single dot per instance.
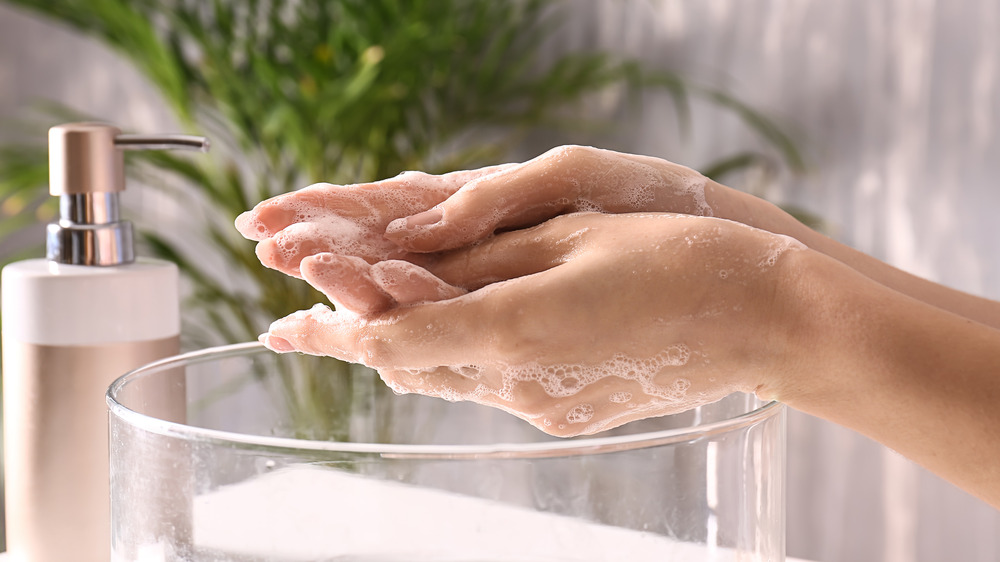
68 332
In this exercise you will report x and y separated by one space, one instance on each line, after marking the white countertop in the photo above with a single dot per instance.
265 518
5 558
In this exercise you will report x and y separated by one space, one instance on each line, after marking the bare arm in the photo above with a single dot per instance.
679 312
745 208
919 379
828 330
420 213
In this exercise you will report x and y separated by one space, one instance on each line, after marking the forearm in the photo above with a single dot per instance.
916 378
756 212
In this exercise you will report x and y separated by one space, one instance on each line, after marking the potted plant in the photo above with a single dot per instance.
293 93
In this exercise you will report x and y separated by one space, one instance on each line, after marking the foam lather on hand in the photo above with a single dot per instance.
348 220
641 305
566 179
578 325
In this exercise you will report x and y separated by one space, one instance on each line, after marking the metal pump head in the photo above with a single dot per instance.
87 171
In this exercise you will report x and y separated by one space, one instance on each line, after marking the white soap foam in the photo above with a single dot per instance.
581 413
470 371
351 220
779 245
632 412
566 380
694 186
620 397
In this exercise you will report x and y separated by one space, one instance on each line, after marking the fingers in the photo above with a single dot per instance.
375 291
423 336
352 284
347 282
405 194
411 284
335 234
270 216
317 331
565 179
286 251
517 196
515 254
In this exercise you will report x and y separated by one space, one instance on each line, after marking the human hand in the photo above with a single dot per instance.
344 220
388 218
578 325
564 180
575 178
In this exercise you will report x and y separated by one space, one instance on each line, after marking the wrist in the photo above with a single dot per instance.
818 330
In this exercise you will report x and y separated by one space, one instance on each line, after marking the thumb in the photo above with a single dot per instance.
515 197
430 335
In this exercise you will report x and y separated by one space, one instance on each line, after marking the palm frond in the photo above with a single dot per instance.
342 91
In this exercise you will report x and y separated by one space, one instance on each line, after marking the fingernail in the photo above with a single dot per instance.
275 343
425 218
250 226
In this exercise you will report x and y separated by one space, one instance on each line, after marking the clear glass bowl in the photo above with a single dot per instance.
237 453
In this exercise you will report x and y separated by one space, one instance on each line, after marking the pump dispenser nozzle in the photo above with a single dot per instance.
86 171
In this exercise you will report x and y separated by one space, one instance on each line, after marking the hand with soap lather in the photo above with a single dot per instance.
421 213
480 295
386 220
583 323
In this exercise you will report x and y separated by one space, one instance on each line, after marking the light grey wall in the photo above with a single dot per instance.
41 62
896 104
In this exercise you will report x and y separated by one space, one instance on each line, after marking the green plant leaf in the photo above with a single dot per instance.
718 169
761 124
344 91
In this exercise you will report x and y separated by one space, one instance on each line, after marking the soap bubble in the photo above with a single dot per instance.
580 413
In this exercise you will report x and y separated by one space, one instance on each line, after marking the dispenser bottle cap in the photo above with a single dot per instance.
86 171
83 158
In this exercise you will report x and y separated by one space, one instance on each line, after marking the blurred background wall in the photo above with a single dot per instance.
896 106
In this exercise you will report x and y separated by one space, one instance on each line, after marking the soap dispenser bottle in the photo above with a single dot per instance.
72 323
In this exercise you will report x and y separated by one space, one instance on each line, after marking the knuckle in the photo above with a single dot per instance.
514 336
572 153
413 177
375 350
321 186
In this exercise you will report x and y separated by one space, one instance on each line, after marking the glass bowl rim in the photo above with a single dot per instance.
586 445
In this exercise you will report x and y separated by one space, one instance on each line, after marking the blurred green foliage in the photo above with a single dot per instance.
295 92
340 91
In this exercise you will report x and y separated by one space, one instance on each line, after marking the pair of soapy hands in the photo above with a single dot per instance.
580 290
